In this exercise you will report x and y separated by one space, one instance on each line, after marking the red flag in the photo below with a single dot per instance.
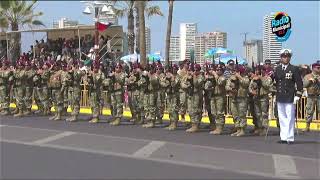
101 26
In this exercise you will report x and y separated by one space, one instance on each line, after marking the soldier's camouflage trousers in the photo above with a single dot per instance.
141 104
4 98
117 99
172 101
106 98
183 102
252 112
28 98
20 97
75 100
312 102
161 100
207 105
133 101
218 105
95 103
36 96
239 107
149 104
261 110
195 104
57 97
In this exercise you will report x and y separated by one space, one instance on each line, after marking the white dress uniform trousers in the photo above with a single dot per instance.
286 113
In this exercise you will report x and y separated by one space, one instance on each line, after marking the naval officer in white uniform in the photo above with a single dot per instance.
289 86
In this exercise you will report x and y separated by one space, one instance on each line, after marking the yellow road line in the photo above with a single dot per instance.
272 123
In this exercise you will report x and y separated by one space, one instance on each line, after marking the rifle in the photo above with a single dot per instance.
191 89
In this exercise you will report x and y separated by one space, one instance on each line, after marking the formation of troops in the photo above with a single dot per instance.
152 89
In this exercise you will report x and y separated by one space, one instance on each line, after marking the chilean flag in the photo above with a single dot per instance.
102 26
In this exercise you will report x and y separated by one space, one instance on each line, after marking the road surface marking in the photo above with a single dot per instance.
2 125
54 137
284 166
148 149
174 143
175 162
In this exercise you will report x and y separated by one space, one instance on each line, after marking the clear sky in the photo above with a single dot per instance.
233 17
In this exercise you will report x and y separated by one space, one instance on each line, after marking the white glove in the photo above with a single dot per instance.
296 99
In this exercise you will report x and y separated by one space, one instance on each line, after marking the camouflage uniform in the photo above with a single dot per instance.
208 90
95 81
313 101
5 81
182 94
19 88
260 89
142 86
77 75
194 85
171 84
218 103
238 92
133 96
161 99
29 74
150 100
56 83
117 96
45 91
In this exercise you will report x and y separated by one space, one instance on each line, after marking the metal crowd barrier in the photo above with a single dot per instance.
300 107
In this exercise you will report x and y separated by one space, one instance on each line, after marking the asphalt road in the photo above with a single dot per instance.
36 148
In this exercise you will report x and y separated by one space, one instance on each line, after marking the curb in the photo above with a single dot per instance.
315 126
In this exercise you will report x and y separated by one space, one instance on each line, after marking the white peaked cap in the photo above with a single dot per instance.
285 51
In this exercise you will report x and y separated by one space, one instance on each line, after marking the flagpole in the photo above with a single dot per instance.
96 37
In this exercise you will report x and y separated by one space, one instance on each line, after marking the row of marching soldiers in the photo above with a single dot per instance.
151 90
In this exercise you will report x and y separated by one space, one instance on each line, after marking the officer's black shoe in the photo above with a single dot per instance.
290 142
282 142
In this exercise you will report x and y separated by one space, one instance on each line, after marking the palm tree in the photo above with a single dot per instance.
127 9
150 10
168 36
142 38
15 14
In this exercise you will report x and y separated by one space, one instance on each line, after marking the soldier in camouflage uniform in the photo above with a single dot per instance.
37 88
44 90
161 95
171 84
194 83
208 90
150 97
134 93
143 85
19 84
117 96
312 83
76 77
237 88
29 74
183 92
6 78
218 99
259 87
95 81
67 89
56 84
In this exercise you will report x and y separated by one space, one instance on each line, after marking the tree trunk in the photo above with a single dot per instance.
137 29
169 26
142 33
14 44
131 33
